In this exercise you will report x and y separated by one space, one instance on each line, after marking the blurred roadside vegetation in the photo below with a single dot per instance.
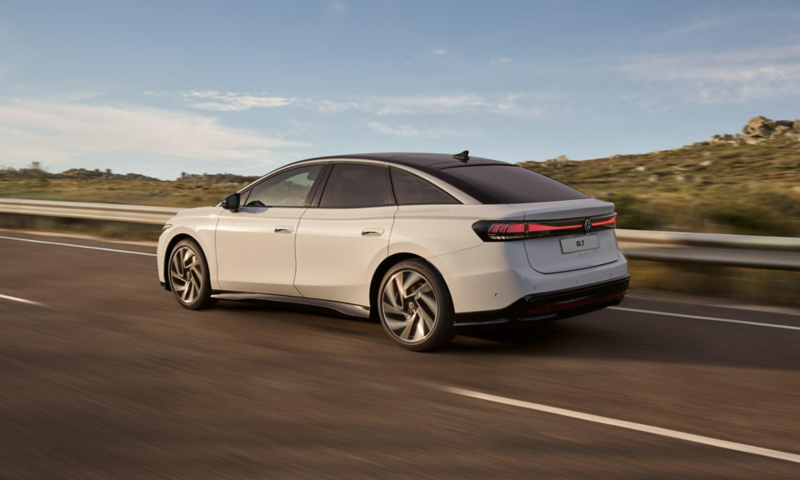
712 188
771 287
96 186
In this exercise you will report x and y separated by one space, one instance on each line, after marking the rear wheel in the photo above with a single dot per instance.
415 307
188 276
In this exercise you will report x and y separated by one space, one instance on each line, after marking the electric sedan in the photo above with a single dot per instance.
426 244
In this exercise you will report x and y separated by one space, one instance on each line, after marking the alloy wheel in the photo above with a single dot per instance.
186 274
409 306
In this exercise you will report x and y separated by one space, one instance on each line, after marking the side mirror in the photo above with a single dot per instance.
231 202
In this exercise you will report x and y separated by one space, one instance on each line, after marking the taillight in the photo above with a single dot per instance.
491 231
609 223
499 231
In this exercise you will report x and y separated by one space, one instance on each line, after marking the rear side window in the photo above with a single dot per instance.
352 185
413 190
512 184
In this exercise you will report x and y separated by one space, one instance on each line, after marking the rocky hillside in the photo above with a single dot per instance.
37 172
745 183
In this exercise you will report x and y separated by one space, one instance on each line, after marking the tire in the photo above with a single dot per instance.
415 307
187 273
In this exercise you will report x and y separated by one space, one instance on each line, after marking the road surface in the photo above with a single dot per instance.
103 375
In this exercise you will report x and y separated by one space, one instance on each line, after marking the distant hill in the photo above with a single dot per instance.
36 171
82 185
747 183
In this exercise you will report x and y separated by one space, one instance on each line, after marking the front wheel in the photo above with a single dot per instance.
188 276
415 306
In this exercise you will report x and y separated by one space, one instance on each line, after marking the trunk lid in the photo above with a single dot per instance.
545 254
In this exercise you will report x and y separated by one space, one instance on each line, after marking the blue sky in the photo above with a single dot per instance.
164 87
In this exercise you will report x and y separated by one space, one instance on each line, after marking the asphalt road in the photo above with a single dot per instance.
106 376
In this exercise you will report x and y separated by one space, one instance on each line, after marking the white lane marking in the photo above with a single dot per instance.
739 447
21 300
79 246
710 319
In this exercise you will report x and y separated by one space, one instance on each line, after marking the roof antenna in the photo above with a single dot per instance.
463 156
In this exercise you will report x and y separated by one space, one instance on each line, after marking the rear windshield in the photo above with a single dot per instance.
512 184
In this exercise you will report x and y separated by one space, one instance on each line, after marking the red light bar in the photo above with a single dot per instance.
491 231
610 221
516 228
538 227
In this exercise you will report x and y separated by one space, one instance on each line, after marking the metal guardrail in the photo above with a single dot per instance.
89 211
749 242
746 251
743 251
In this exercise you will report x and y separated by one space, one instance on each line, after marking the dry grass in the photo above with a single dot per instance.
79 226
743 284
134 192
748 189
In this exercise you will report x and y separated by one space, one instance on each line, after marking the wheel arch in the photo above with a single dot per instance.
384 267
168 253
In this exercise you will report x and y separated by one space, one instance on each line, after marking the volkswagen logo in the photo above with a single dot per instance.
587 225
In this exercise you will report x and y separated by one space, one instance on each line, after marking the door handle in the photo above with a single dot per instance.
283 229
374 232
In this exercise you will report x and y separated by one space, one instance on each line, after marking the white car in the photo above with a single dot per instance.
427 244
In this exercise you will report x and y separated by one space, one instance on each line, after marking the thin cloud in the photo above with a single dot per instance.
440 51
234 102
425 104
727 77
407 131
330 106
337 7
500 61
510 104
697 26
62 133
202 93
517 104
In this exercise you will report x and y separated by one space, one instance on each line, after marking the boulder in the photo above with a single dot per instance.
784 123
641 169
654 177
758 127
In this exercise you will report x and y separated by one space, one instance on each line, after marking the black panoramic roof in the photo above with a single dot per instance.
423 161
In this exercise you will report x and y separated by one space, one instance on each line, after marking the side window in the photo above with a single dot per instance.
413 190
287 189
353 185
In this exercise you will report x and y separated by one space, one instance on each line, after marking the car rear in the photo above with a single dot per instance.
558 248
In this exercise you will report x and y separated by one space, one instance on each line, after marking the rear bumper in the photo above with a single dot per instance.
550 306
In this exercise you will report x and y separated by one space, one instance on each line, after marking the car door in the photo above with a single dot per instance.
343 240
256 245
